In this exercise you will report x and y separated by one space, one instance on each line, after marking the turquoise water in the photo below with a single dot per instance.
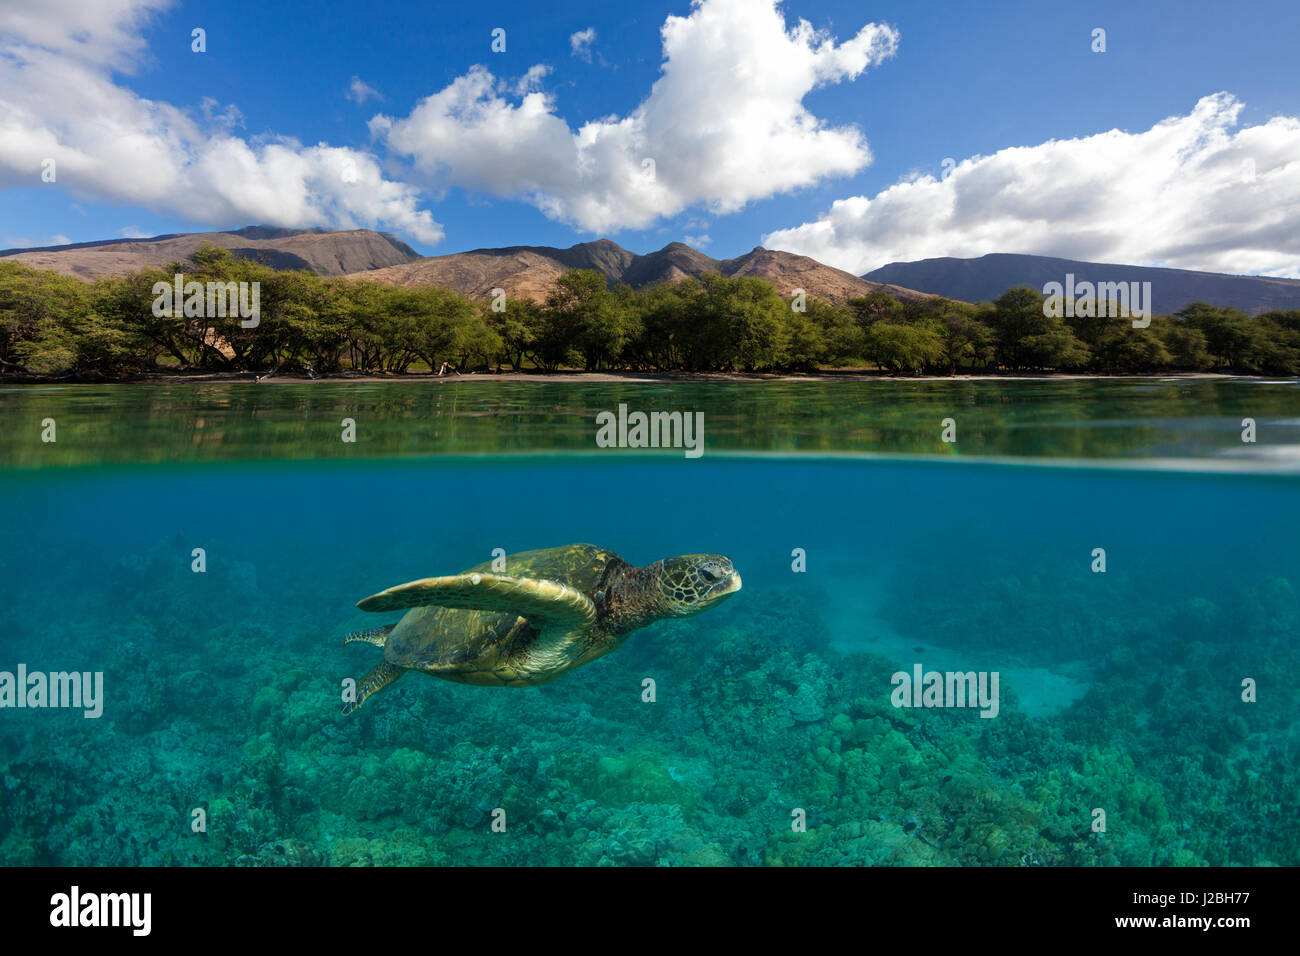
1119 691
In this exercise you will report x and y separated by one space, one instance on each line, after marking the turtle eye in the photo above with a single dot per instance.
708 575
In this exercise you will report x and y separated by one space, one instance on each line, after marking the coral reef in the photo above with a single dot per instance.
756 719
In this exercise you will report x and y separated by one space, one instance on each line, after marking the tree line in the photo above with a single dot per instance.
53 325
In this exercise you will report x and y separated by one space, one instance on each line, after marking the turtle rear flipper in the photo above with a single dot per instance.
379 677
375 635
547 605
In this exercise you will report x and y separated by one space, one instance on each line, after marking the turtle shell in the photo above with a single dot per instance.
447 639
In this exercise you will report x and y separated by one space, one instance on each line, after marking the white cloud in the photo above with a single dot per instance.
359 91
749 138
1192 192
532 80
103 33
58 100
27 242
698 242
580 43
132 232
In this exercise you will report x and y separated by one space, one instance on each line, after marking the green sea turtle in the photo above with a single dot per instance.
548 612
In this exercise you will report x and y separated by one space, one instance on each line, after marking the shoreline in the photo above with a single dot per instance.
825 375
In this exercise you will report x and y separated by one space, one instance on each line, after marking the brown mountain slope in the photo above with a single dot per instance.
523 273
674 261
530 271
788 272
325 253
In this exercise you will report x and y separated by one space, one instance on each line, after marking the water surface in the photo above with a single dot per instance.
1103 419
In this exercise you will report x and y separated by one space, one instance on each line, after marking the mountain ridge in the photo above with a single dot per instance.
325 252
531 271
984 278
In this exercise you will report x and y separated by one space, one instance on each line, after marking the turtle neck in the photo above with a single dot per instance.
628 598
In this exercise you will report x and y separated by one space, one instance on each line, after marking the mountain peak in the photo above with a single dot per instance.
264 231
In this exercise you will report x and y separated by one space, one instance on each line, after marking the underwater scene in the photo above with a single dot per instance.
1009 623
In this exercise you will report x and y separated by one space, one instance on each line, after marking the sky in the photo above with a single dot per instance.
858 133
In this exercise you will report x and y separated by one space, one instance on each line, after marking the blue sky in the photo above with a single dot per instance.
964 80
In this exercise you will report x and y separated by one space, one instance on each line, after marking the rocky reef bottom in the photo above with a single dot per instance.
756 718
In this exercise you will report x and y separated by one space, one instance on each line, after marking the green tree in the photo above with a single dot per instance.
875 306
1231 337
742 324
1114 345
1186 345
518 328
35 309
903 348
579 319
841 337
1277 350
671 316
1025 337
804 342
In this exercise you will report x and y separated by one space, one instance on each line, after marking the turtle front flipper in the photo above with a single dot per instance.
547 605
380 676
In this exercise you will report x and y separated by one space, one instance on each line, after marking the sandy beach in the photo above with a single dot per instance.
825 375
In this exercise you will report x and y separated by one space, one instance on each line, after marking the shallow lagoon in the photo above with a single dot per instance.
1119 691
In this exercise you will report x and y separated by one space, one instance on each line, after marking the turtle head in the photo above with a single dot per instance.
691 583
